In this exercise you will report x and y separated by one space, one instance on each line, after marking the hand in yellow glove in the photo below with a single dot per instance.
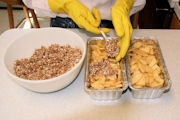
122 24
79 13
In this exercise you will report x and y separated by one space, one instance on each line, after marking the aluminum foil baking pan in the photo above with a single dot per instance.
104 94
148 93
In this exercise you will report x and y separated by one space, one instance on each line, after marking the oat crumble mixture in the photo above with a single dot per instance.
112 48
47 62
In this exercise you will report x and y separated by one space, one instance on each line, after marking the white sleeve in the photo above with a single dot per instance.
41 7
138 5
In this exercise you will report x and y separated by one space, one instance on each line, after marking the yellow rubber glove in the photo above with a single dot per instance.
122 24
79 13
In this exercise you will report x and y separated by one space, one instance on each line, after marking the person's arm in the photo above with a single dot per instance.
121 21
137 6
79 13
41 8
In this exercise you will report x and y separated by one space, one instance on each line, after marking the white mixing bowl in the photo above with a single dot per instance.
24 47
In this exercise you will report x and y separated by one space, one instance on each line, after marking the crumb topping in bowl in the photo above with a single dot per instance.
46 63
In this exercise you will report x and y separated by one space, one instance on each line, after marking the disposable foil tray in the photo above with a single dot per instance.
104 94
149 92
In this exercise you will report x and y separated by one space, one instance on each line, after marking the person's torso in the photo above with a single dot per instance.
104 7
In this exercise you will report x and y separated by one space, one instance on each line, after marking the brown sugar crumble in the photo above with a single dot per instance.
112 48
46 63
103 67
